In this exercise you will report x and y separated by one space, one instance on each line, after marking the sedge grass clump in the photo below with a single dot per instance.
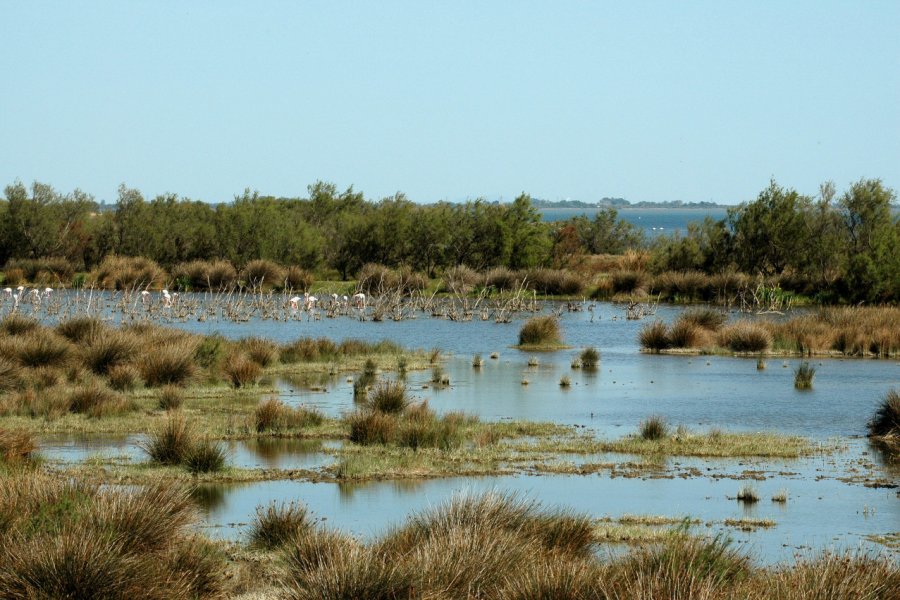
710 319
170 397
685 334
884 427
477 361
205 456
169 443
565 381
123 378
75 540
541 331
682 566
96 400
278 523
655 337
10 374
240 370
107 349
590 358
15 324
803 376
388 397
78 329
747 494
372 427
16 446
744 336
653 428
780 497
169 363
42 349
261 351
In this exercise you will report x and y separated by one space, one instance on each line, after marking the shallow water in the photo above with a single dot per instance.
819 514
245 454
698 392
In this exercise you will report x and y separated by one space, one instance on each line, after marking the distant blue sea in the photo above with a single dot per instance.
654 221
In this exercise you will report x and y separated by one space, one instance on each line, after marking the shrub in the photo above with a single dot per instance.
372 427
627 282
565 381
654 428
277 524
170 397
654 337
503 278
298 279
222 275
803 376
171 442
460 279
538 331
590 358
388 397
259 273
477 361
128 272
555 282
169 363
205 456
43 270
745 336
241 371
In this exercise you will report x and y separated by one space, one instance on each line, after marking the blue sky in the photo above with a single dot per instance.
642 100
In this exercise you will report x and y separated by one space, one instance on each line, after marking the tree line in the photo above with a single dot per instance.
840 247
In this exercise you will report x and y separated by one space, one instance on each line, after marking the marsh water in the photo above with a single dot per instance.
836 500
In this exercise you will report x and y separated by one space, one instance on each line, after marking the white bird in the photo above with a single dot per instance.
309 302
47 292
359 300
145 297
8 292
295 302
167 298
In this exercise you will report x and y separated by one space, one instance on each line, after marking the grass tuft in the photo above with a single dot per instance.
540 331
654 428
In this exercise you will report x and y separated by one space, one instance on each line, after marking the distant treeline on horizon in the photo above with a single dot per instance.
835 247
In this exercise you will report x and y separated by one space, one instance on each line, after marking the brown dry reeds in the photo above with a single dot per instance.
261 351
745 336
240 370
16 446
128 273
277 524
262 273
298 279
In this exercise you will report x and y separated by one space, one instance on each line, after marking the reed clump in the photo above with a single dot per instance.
653 428
262 273
803 376
261 351
170 363
654 336
170 397
541 331
590 358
